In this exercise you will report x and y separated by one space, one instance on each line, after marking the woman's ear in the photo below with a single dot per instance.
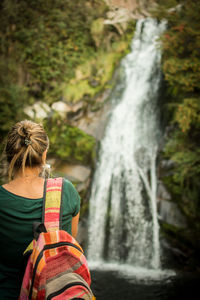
44 156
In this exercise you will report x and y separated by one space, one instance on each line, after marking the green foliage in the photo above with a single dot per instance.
181 47
188 114
69 143
94 74
48 40
181 68
185 154
12 97
76 90
97 30
43 44
183 179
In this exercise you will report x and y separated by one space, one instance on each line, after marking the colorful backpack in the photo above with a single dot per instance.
56 268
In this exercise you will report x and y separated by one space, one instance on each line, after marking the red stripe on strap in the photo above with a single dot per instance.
53 203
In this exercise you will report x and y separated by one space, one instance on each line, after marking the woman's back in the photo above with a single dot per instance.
17 215
21 201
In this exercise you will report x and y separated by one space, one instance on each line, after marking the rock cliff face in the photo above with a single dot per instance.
137 8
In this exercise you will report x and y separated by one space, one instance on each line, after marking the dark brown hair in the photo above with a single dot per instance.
26 143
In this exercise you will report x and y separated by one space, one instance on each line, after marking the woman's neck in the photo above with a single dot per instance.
27 184
28 173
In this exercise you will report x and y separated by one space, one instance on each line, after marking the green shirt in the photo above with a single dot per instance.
17 215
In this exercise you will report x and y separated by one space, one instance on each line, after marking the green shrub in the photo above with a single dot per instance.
70 143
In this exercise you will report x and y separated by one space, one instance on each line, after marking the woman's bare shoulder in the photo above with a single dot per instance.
29 188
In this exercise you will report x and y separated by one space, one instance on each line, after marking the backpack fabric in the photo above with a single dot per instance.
56 268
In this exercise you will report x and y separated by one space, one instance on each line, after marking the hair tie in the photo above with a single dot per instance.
27 142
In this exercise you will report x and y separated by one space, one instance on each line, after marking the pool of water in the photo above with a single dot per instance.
110 283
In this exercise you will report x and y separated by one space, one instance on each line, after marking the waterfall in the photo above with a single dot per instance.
123 224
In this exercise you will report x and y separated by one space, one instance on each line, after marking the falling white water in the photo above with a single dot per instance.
123 224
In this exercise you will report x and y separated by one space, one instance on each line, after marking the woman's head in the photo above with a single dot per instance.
26 144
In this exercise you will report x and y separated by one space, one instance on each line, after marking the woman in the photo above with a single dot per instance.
21 201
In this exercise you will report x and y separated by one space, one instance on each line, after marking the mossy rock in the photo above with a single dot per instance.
70 143
98 69
76 91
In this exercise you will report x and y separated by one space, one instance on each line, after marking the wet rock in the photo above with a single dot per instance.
162 192
83 186
61 108
171 214
76 173
71 112
77 107
82 232
122 11
94 123
94 82
167 164
39 110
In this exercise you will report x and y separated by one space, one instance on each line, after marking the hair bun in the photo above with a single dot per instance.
24 131
19 154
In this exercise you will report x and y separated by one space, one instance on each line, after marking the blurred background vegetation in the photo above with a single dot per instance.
55 50
181 112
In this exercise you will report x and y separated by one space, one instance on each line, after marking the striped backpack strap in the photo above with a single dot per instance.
52 206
